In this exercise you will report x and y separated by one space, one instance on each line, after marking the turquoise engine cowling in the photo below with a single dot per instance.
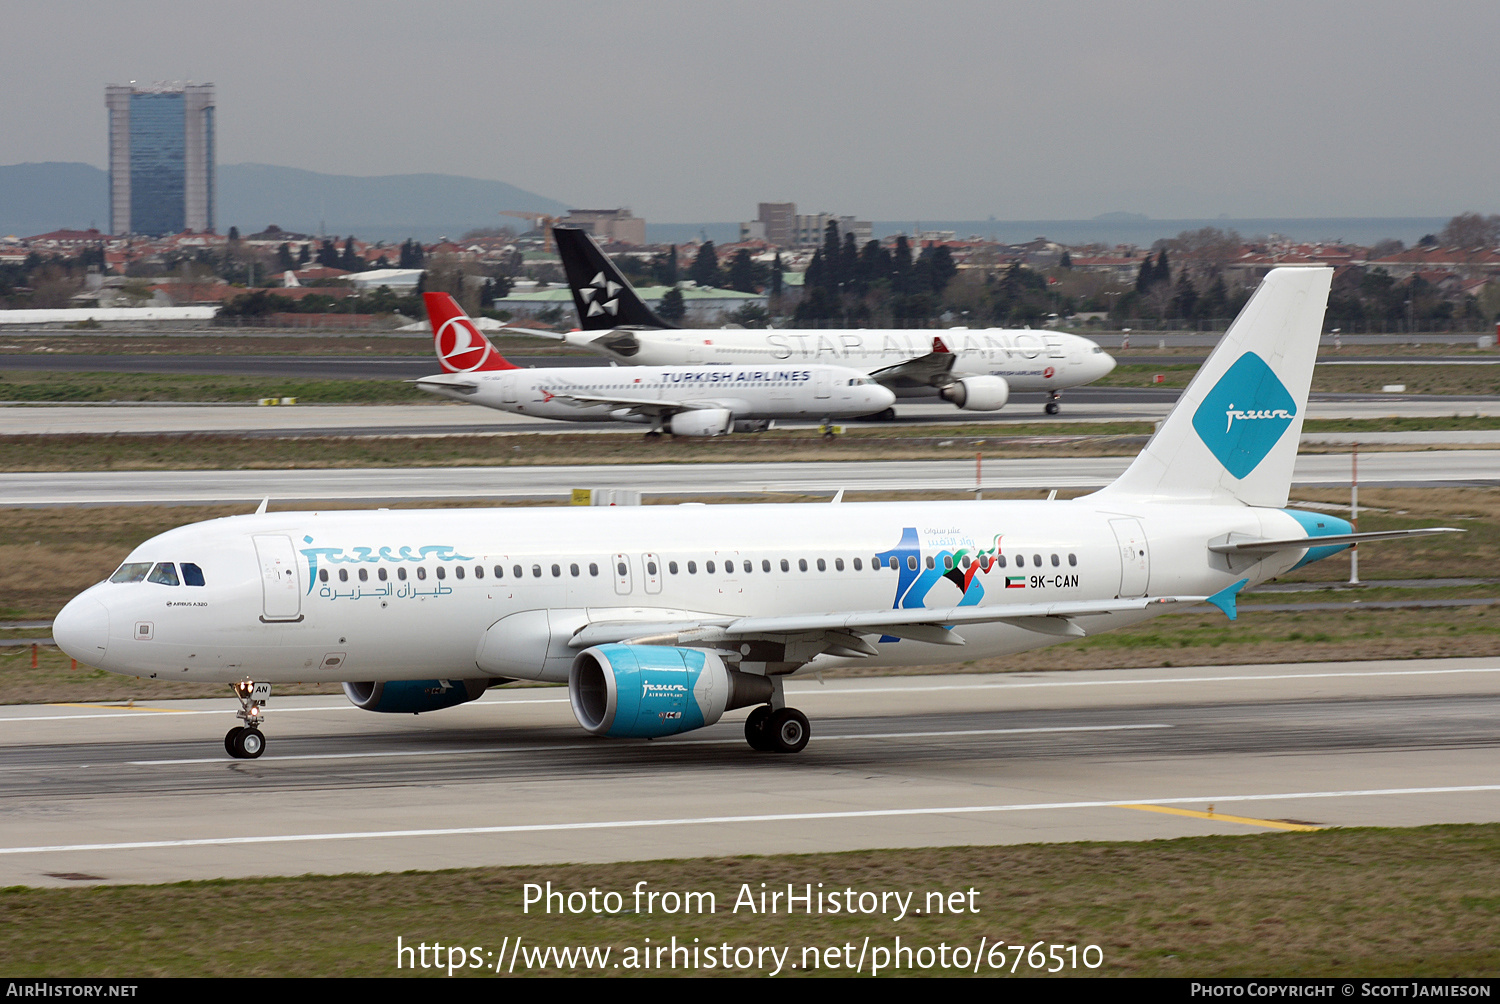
645 691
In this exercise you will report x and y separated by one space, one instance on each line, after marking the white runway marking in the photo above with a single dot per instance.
785 817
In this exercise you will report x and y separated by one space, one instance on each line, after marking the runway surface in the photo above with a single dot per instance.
1090 404
146 794
1432 467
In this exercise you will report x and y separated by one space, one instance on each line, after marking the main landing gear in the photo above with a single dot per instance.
775 728
1052 406
245 742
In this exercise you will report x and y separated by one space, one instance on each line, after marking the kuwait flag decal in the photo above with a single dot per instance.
1015 582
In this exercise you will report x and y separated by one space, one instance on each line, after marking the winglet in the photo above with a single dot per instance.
1224 598
260 510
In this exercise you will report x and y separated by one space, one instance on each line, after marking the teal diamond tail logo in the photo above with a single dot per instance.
1245 414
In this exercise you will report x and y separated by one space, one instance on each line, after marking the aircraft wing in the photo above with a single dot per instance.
934 369
841 632
651 407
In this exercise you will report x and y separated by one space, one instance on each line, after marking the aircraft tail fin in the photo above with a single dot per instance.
600 292
460 345
1233 434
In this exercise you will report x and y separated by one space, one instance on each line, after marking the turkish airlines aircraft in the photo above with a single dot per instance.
662 618
974 369
685 400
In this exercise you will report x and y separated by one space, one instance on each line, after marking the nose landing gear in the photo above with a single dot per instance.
245 742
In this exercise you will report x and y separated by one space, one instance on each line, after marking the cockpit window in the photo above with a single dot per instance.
192 575
131 571
165 574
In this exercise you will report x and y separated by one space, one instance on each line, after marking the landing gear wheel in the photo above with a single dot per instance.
230 738
249 744
788 731
1053 407
756 733
653 435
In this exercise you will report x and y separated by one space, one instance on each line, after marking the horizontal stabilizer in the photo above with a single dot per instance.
1297 543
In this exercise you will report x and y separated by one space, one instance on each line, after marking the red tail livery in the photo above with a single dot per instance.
461 348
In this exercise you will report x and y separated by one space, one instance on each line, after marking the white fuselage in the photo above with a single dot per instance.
470 593
784 390
1027 360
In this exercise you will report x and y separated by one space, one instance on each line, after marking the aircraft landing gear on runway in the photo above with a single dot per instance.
1052 406
245 742
784 731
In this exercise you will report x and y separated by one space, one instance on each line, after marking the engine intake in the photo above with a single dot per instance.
644 691
977 393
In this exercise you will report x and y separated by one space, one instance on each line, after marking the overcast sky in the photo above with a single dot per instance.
885 110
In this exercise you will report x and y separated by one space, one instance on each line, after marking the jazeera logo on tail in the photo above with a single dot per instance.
460 345
1244 416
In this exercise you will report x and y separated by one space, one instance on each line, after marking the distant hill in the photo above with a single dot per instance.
39 198
36 198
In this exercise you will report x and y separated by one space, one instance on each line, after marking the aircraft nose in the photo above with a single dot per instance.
883 397
81 629
1106 365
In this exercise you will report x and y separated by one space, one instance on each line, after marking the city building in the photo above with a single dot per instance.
161 158
609 226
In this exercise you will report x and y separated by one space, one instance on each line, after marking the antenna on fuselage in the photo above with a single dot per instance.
260 510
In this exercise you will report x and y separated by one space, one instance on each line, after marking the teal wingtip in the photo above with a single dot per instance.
1224 598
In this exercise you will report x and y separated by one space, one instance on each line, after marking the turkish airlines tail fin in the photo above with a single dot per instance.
1233 435
602 295
461 348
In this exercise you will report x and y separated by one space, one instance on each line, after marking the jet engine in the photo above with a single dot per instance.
644 691
977 393
412 697
701 422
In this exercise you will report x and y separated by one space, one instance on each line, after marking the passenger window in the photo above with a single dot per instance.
131 571
556 571
858 567
165 573
650 568
708 566
1000 561
786 566
692 568
192 575
536 571
672 567
911 562
458 570
838 564
478 571
622 571
964 564
343 575
593 568
442 573
1056 561
1072 560
421 573
822 565
499 571
893 562
515 570
930 562
364 574
322 575
1036 560
948 562
573 569
765 564
380 574
401 574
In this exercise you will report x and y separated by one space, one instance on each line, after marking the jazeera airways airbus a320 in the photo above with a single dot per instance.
685 400
662 618
973 370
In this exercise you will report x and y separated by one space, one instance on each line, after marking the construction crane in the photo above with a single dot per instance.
539 221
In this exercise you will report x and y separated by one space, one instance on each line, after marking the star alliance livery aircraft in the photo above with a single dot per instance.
975 370
662 618
685 400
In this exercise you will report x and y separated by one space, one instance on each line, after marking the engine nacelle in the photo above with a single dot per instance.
977 393
412 697
644 691
701 422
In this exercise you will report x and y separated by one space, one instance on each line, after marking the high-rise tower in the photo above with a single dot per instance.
161 158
